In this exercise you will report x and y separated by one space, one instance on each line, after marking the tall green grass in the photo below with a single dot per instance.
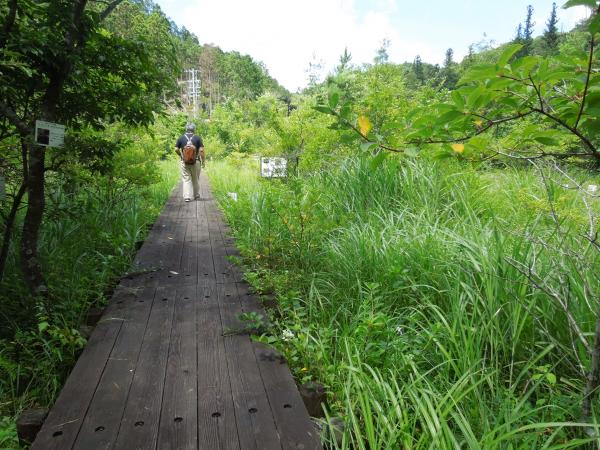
428 297
87 242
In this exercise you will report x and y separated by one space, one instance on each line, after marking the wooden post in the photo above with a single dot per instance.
314 396
29 424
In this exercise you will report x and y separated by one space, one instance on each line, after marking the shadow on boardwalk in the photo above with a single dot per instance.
161 371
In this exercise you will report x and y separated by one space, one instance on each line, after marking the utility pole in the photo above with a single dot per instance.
193 87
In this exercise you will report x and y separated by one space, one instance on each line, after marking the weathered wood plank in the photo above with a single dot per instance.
291 417
179 415
64 420
103 417
139 425
217 427
256 428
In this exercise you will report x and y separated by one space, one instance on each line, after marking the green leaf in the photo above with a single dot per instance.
525 65
42 326
411 151
594 25
546 140
571 3
323 109
449 117
458 100
551 378
345 112
378 160
508 53
479 73
368 146
474 97
334 98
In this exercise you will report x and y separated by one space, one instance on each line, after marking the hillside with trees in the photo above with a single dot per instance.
431 259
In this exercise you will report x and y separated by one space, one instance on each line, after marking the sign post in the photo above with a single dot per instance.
49 134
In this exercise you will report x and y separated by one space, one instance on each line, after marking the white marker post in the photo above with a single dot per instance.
49 134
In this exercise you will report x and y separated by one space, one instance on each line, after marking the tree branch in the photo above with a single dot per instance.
587 82
575 131
491 123
21 126
110 8
8 23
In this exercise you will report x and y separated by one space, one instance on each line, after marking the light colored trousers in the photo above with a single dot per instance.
189 176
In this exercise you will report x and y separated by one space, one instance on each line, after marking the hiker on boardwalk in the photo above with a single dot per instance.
190 169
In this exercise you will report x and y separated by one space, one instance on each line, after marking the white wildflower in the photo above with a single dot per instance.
287 335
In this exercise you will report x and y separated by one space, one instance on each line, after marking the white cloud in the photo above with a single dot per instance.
285 35
571 16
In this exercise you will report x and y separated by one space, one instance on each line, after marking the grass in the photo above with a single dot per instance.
427 296
88 240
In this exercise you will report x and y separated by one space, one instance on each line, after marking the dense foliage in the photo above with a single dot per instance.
433 251
435 254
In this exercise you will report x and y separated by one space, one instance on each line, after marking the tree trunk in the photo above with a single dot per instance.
10 220
30 262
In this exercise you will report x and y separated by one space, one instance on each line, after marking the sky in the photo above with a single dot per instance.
287 35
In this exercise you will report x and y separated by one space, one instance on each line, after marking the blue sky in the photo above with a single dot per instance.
288 34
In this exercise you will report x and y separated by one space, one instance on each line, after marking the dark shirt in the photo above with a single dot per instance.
196 140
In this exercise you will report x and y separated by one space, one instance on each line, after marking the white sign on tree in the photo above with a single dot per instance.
49 134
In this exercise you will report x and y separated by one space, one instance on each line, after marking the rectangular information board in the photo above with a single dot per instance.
49 134
273 167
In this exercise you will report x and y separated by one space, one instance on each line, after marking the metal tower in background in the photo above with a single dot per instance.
192 87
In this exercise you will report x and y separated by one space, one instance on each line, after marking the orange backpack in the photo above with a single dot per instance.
189 152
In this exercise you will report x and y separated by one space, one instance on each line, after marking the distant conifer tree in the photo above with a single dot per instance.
382 55
418 69
528 31
550 35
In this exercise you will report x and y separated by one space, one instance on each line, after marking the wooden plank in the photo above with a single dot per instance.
103 417
190 254
217 428
62 425
139 425
256 427
179 415
293 423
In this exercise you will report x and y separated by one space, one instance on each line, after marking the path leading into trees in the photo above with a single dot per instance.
169 365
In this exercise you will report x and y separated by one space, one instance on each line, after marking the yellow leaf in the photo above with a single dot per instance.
458 148
364 125
479 122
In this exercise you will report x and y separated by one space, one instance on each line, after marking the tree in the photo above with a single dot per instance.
550 35
448 60
449 73
519 36
528 31
418 69
345 59
382 55
76 73
315 67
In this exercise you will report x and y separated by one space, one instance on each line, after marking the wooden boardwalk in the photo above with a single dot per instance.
168 366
